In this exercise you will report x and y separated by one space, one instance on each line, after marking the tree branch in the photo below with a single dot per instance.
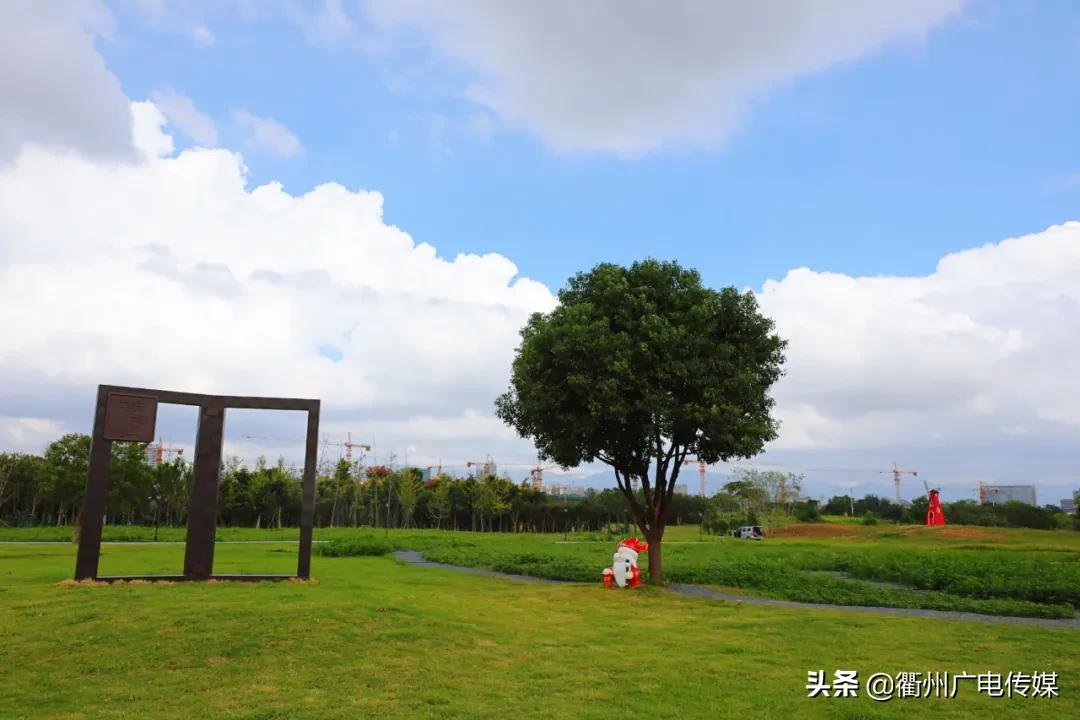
635 506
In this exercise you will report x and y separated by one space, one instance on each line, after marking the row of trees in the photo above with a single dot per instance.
774 498
962 512
48 489
403 498
755 497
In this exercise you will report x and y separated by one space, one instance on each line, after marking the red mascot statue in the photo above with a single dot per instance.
624 570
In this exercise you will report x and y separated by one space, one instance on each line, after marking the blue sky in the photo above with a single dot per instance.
880 166
203 167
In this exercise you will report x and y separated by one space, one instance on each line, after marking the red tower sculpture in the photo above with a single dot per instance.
934 514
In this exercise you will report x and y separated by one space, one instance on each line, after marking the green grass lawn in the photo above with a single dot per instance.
375 638
995 571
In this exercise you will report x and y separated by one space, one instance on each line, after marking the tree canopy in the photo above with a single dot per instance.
640 368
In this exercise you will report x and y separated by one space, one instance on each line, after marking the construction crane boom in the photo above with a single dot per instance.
536 471
485 468
323 465
349 445
536 475
701 475
896 472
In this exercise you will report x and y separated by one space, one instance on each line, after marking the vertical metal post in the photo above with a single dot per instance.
307 511
97 489
202 508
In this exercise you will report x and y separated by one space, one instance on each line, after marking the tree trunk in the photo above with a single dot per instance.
656 557
76 530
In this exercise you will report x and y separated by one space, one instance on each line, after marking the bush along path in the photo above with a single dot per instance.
700 591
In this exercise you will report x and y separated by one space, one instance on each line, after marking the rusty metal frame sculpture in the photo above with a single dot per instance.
129 414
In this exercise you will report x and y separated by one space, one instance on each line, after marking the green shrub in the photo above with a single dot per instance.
869 518
354 547
807 512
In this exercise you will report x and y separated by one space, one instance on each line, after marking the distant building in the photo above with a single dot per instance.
570 492
1069 504
680 489
485 469
157 453
998 494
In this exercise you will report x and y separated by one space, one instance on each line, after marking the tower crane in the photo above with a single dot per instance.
324 466
349 445
701 474
536 470
485 468
536 476
896 472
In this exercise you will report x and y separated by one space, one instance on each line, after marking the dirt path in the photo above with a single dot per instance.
701 591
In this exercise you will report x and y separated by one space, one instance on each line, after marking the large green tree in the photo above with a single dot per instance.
640 368
67 459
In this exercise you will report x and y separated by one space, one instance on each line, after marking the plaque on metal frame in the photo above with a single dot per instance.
128 413
130 417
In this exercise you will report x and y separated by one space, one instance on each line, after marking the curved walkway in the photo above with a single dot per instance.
701 591
414 558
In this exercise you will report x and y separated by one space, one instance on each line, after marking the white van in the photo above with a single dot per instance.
748 532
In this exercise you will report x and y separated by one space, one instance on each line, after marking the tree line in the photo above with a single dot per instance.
48 489
961 512
755 497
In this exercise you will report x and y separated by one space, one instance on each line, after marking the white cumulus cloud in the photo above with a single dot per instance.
983 346
968 372
175 273
630 77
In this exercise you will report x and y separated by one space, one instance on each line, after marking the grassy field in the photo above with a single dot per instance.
375 638
1029 573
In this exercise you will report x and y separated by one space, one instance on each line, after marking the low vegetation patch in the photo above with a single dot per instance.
990 580
354 547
